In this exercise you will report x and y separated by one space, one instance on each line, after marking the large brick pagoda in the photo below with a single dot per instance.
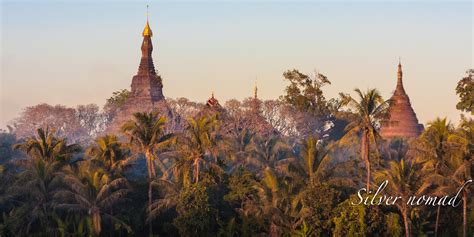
402 122
146 92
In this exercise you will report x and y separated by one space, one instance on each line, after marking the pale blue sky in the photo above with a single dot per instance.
79 52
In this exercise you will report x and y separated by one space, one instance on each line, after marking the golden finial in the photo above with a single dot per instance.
147 31
212 94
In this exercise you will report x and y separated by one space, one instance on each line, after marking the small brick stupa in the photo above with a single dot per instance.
213 108
146 94
213 102
402 122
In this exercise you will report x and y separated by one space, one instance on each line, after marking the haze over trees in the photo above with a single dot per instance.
285 167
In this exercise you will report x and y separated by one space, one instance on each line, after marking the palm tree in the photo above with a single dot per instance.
462 161
183 167
464 137
280 202
240 145
461 177
311 161
35 185
108 153
92 193
47 147
170 191
434 145
147 135
199 142
270 152
34 190
405 179
369 108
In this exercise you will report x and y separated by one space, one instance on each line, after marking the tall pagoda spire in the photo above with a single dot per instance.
402 121
146 62
399 89
147 82
146 94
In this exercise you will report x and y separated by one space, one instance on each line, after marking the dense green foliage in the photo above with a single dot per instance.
215 177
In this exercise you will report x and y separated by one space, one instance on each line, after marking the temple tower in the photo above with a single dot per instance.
256 104
146 88
212 108
147 84
213 102
402 121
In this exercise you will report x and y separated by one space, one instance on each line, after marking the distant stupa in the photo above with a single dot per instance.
146 93
213 102
255 118
402 122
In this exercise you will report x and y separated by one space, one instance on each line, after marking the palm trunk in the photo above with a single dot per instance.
150 228
437 221
151 174
405 221
365 155
151 166
148 167
464 213
196 171
96 221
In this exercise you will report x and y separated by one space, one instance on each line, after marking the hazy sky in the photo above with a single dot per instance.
79 52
